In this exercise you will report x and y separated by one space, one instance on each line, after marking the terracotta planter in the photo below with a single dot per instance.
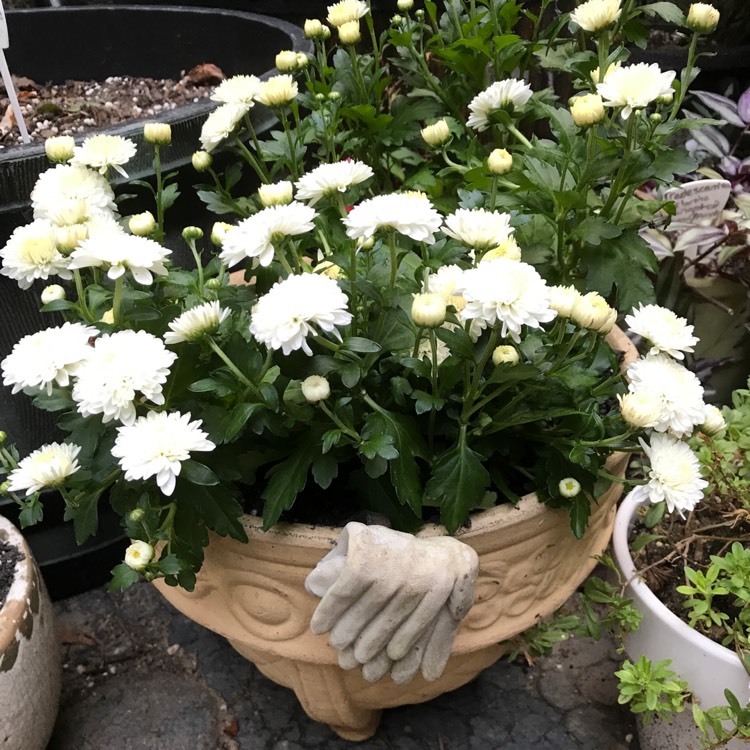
706 666
29 655
254 595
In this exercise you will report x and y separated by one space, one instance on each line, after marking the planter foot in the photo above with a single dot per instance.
322 691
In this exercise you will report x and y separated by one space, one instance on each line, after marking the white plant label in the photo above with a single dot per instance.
4 38
701 201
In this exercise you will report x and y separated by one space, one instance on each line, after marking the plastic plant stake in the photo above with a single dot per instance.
7 80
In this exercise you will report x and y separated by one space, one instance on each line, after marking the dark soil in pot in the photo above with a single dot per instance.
9 556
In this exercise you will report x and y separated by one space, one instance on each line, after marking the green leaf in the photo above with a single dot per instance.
594 229
668 12
643 539
240 414
123 577
170 565
198 474
457 484
325 469
84 510
285 481
362 345
580 510
217 508
57 305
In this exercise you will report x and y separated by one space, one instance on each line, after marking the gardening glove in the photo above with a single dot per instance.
392 601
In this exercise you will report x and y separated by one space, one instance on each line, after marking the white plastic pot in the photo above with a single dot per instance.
706 666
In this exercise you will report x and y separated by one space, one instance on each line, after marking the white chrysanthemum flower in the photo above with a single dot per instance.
196 322
138 555
346 11
635 86
328 179
157 444
592 312
45 468
220 124
278 91
665 331
31 253
444 282
101 152
642 409
508 249
238 90
498 96
276 193
562 299
411 214
478 228
425 349
679 389
44 358
122 252
122 366
257 235
508 292
66 182
610 69
674 476
595 15
297 307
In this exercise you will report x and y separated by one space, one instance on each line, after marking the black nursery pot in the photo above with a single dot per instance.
149 41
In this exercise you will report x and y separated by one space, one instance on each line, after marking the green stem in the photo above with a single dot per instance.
250 159
478 370
198 264
493 193
394 258
117 299
685 78
256 144
292 148
346 430
159 234
169 520
435 389
417 342
326 343
519 135
81 293
234 369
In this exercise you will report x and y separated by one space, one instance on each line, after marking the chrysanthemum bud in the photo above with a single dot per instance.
713 421
313 28
499 162
302 60
142 224
640 409
192 233
157 132
60 148
202 161
666 98
138 555
562 299
436 134
219 232
68 237
3 436
136 515
329 269
334 96
587 110
326 32
276 194
505 355
349 32
702 18
52 293
213 283
315 388
419 15
428 310
569 487
367 244
5 487
286 61
108 318
405 4
396 19
508 248
655 117
592 312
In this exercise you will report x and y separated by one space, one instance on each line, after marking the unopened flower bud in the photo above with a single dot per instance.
396 19
3 437
499 161
316 388
505 355
419 15
157 132
592 312
640 409
326 32
108 318
67 238
562 299
569 487
313 28
713 421
276 194
587 110
60 148
213 283
219 232
349 32
428 310
142 224
286 61
367 244
655 117
405 4
329 269
666 98
138 555
136 515
52 293
702 18
192 233
202 161
302 60
5 488
436 134
334 96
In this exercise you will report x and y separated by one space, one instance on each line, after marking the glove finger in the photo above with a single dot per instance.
353 621
403 670
420 619
347 590
377 667
379 631
439 645
347 660
325 574
462 596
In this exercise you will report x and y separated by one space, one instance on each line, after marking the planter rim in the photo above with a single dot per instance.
12 611
621 550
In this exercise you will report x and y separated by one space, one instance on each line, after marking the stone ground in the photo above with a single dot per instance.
140 676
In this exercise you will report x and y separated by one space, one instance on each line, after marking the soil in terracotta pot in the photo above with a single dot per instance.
9 556
73 107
